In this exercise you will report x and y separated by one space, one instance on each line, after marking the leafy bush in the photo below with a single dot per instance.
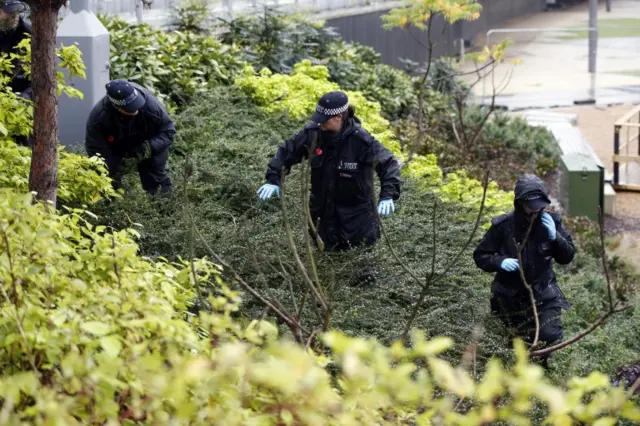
278 41
508 145
229 142
176 66
93 334
80 179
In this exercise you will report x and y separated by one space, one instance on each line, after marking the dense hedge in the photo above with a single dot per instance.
94 334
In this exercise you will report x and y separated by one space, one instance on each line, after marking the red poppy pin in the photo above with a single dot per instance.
318 151
110 139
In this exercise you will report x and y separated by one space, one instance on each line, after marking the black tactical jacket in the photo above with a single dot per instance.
115 135
537 256
342 168
9 41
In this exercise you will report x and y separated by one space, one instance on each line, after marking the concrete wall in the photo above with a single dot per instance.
366 28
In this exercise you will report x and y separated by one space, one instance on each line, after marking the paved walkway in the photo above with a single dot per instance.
554 65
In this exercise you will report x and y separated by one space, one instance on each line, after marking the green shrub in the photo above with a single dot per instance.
80 179
277 41
229 142
93 334
176 66
509 146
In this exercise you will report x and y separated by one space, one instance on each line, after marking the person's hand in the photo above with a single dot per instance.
510 265
267 190
550 225
386 207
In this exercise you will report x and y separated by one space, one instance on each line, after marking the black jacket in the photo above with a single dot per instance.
341 179
115 135
537 256
9 41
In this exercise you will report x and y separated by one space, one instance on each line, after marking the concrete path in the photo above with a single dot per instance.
554 65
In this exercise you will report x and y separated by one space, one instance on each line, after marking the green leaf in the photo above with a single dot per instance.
96 328
111 345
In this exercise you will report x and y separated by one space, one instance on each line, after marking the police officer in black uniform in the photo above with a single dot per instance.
342 158
130 122
548 241
13 29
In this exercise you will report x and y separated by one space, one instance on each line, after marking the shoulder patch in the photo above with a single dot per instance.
499 219
363 135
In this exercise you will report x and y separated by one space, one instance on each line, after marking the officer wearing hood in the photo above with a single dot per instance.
342 156
14 29
130 122
548 241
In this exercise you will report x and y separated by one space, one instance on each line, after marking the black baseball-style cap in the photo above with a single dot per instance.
536 201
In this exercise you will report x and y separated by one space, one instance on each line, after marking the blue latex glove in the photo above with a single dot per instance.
386 207
510 265
267 190
548 223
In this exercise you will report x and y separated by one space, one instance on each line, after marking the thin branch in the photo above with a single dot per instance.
435 239
561 345
520 247
604 258
25 341
115 260
287 278
292 246
14 286
313 334
428 283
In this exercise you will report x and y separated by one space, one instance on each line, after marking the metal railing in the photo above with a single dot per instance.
626 155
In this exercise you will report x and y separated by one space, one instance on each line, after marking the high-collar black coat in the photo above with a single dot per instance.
538 254
342 166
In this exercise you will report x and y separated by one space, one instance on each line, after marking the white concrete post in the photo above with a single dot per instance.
82 27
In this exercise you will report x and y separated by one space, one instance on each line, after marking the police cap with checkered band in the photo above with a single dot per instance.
330 105
12 6
123 95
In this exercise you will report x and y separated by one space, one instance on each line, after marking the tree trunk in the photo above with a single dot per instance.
43 178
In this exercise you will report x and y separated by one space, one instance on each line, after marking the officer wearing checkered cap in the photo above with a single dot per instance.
130 122
548 241
14 28
342 156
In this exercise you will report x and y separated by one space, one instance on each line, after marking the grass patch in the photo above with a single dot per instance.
608 28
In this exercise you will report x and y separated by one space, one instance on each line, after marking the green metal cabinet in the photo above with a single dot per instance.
581 185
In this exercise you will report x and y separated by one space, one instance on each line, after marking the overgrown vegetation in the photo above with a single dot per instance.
103 324
177 65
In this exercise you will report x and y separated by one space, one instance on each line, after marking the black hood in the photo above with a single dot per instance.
528 185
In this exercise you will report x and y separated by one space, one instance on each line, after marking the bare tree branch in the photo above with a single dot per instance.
579 336
315 291
532 299
432 280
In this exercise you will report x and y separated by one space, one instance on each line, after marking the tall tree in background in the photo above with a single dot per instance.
43 177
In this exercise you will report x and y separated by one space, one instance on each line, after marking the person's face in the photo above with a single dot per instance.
530 213
8 21
334 124
128 114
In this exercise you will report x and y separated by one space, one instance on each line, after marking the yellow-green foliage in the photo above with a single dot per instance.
92 334
80 178
297 95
